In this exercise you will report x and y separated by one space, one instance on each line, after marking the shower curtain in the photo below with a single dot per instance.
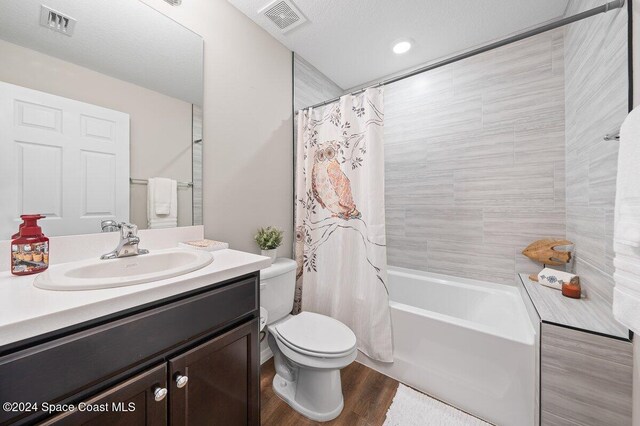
340 224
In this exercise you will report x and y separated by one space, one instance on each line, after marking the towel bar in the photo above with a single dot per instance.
145 181
612 137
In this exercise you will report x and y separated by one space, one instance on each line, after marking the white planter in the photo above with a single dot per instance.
270 253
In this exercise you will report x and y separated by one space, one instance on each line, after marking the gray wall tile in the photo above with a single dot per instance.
596 85
509 186
474 161
470 75
445 223
419 188
520 227
585 227
487 262
489 147
407 252
430 119
310 85
539 141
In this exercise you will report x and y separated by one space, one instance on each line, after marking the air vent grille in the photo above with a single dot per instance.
174 2
284 14
56 21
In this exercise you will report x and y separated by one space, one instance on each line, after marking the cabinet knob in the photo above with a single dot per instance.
181 381
159 393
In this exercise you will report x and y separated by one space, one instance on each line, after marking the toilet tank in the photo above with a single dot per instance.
277 287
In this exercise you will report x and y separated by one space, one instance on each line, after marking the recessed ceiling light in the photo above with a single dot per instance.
401 46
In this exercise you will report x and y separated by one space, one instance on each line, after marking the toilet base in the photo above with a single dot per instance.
286 390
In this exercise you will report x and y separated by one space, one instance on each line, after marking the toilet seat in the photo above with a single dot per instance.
316 335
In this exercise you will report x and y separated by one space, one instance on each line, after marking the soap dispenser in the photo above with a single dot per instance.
30 250
17 234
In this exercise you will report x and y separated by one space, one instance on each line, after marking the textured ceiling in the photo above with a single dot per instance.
350 40
125 39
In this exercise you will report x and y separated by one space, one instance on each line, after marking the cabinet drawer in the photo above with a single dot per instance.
60 368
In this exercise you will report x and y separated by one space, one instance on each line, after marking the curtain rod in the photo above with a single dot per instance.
615 4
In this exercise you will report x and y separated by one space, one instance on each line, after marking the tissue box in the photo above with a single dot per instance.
206 245
553 278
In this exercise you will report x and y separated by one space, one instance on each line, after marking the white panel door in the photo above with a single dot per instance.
65 159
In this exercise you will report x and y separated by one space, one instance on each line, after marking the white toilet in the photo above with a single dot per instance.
309 349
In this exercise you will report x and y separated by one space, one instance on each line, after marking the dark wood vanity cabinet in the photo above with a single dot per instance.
192 359
131 403
223 381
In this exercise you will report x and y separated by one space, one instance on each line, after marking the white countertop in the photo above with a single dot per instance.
27 311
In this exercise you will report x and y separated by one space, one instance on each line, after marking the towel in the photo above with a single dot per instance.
162 203
626 242
162 193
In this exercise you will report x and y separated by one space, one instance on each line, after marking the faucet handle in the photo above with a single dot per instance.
109 226
128 230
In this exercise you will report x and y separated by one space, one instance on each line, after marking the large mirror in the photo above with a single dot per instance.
97 98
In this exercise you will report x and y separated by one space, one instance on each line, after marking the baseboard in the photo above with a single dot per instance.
265 355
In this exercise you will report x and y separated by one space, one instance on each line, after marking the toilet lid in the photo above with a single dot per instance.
317 333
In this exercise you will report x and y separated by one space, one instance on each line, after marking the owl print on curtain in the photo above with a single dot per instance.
340 233
331 186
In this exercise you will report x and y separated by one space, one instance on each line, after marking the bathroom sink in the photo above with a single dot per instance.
96 274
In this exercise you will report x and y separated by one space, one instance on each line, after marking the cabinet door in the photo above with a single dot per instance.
131 403
222 386
586 379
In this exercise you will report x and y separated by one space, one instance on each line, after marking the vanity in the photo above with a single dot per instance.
181 350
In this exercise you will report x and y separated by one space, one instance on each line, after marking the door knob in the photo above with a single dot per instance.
181 381
159 393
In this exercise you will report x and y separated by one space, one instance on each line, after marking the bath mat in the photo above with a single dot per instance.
412 408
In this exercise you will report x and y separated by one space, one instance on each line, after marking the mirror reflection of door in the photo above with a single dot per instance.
66 159
142 90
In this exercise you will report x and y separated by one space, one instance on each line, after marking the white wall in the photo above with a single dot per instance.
159 146
248 147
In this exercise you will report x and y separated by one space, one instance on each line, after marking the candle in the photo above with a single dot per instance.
572 288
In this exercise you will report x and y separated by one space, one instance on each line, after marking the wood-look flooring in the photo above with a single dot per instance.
367 397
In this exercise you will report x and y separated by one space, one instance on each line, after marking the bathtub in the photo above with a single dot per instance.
468 343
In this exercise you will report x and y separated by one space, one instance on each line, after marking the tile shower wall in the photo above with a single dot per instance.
197 165
310 85
475 161
596 86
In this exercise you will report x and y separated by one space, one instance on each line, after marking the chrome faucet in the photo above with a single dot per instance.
128 245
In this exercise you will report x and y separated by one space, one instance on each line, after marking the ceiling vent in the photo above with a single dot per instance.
56 21
284 14
174 2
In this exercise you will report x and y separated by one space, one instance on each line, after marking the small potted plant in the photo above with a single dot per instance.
269 239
